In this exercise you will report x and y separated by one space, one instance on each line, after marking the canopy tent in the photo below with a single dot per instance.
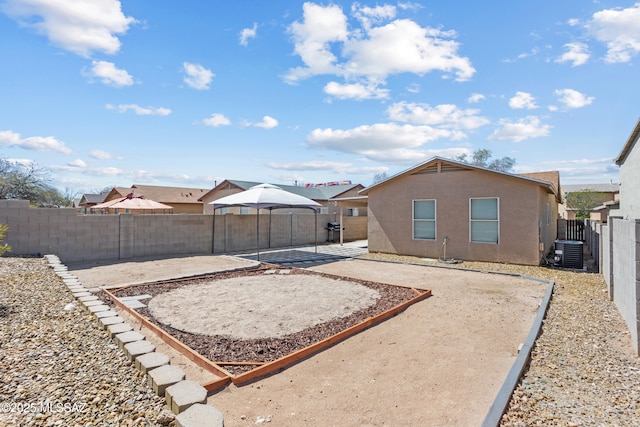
133 204
266 196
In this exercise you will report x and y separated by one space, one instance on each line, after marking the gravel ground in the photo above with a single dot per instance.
57 367
583 370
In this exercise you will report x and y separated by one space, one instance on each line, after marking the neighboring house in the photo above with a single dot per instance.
318 193
608 194
474 213
89 200
182 200
602 212
629 162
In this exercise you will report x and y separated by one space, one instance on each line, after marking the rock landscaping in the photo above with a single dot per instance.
57 366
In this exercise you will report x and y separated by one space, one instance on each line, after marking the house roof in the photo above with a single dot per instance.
611 204
629 144
93 198
548 176
602 188
551 186
164 194
314 193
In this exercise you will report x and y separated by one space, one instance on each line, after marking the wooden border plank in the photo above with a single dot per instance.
195 357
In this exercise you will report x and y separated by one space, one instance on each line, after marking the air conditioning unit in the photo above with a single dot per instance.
568 254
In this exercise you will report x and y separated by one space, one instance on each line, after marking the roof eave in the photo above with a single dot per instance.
629 144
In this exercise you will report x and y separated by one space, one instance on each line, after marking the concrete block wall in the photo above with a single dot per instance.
624 253
73 237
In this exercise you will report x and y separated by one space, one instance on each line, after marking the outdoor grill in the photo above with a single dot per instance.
333 231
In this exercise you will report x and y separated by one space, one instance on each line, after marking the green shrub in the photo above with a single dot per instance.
3 248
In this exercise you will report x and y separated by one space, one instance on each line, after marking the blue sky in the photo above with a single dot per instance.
105 93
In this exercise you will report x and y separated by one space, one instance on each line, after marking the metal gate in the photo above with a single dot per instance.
575 230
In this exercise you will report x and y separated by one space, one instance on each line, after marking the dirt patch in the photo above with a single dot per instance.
438 363
262 315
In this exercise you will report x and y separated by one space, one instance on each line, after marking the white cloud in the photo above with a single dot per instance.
445 115
101 155
577 54
533 52
371 52
217 120
340 168
36 143
368 16
267 123
355 91
197 77
140 111
578 171
81 26
526 128
523 101
475 98
402 46
109 74
321 26
384 142
572 98
413 88
248 33
619 30
108 171
77 163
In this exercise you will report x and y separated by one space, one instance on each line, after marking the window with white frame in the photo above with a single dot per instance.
424 219
244 211
484 220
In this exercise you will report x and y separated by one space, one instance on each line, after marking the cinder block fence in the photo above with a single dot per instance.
75 237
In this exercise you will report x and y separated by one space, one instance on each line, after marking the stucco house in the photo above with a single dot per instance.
88 200
474 213
182 200
609 196
629 162
318 193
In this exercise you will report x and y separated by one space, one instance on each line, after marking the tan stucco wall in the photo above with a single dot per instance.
520 205
186 208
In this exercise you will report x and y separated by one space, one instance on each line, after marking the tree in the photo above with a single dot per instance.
379 177
28 181
583 201
482 158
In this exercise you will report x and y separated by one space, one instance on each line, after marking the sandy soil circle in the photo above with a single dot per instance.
284 303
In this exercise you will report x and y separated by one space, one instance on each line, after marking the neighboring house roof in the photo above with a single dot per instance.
611 204
601 188
549 176
314 193
448 164
93 198
629 145
163 194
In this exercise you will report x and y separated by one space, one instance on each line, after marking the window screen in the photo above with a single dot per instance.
424 219
484 220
